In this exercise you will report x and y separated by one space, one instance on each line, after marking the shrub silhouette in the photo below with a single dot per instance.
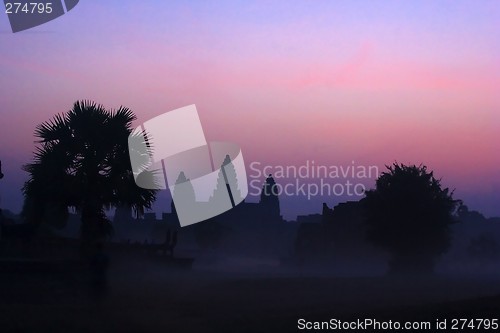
409 214
484 247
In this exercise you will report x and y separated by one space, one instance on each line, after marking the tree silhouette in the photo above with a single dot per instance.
82 162
466 215
408 214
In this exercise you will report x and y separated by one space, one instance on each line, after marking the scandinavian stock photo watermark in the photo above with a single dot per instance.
311 179
205 178
209 178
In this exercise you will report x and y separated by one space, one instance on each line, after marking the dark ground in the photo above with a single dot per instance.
146 296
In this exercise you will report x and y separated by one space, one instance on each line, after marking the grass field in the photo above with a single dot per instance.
145 296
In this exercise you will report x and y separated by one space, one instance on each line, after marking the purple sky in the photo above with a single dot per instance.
329 81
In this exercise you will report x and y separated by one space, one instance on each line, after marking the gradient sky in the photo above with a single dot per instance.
330 81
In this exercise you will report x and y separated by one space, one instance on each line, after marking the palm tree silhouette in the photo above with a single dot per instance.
82 162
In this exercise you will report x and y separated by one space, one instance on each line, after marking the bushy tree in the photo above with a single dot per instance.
409 214
82 162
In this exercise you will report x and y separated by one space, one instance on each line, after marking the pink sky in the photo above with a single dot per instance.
332 82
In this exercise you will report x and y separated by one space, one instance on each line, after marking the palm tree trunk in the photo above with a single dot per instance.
90 229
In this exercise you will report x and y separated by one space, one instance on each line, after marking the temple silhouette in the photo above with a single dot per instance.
337 235
249 228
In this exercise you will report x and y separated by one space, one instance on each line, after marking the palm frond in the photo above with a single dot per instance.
123 116
83 162
54 129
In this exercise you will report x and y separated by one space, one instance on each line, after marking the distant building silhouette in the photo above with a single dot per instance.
227 184
183 190
269 197
249 228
